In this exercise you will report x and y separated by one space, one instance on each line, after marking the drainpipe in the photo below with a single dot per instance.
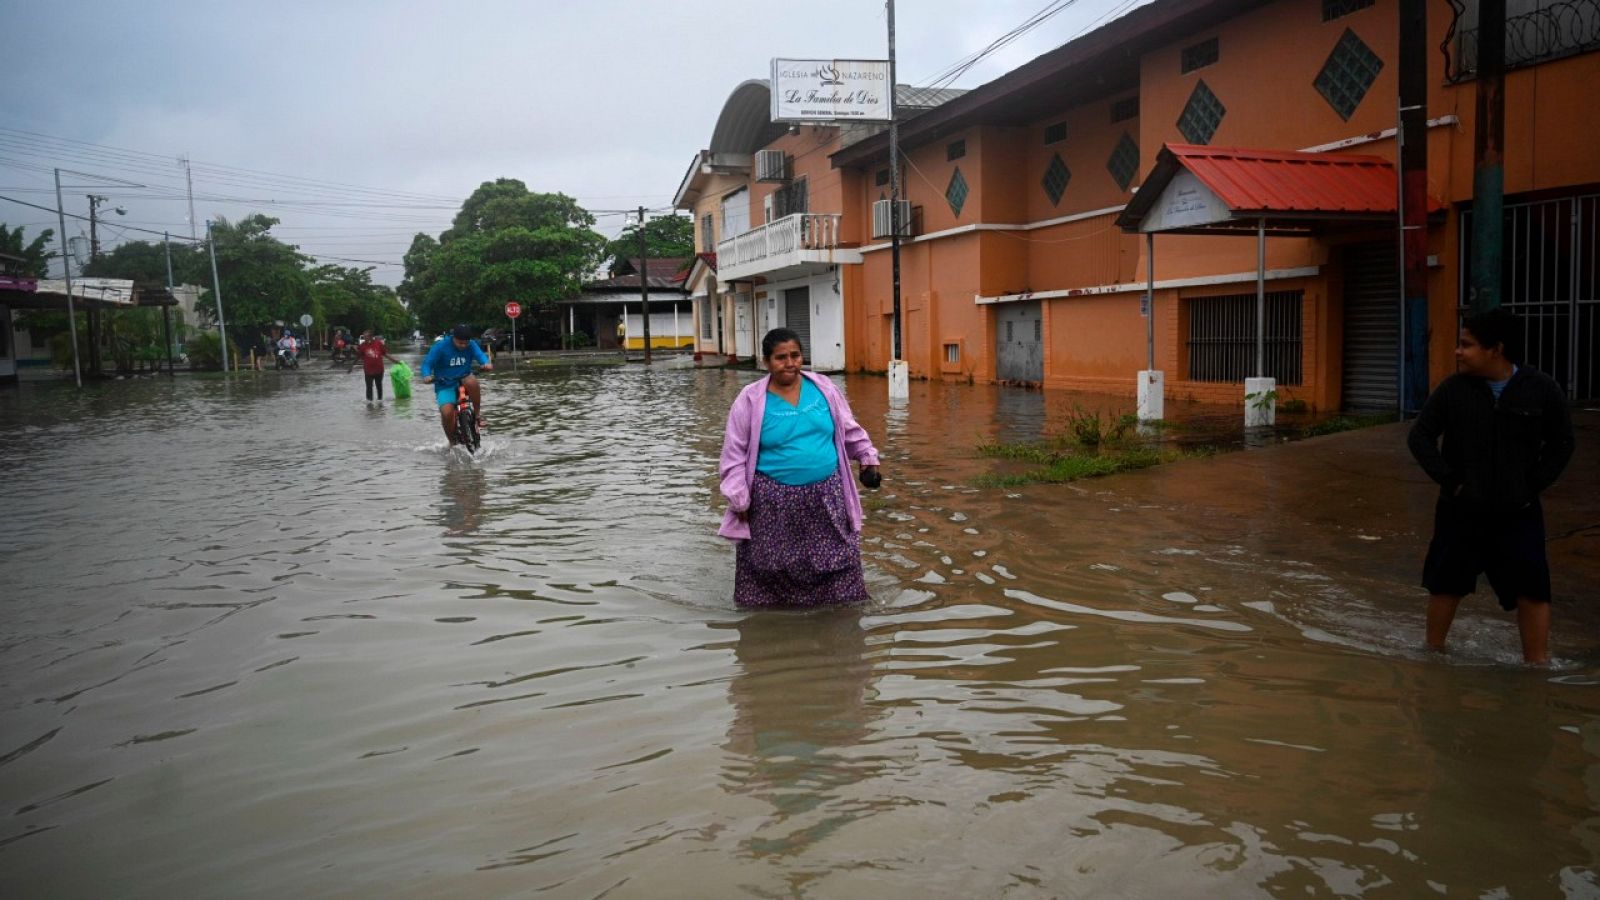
1488 158
1412 134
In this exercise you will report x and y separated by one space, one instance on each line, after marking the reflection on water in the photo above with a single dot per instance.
799 711
250 654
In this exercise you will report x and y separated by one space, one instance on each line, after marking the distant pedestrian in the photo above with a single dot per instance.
793 506
373 353
1507 436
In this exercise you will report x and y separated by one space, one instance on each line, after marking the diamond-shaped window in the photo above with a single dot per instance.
1348 74
956 193
1056 176
1124 161
1201 115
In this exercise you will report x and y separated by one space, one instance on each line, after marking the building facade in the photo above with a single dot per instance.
1018 271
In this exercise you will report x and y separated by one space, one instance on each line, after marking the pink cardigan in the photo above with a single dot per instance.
741 444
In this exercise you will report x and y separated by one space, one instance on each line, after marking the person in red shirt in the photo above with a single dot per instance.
373 353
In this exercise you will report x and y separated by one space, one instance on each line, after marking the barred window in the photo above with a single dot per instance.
1222 337
708 233
708 316
955 150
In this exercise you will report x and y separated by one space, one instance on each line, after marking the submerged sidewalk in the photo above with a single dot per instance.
1367 508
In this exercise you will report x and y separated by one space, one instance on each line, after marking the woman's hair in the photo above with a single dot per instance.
1497 326
777 336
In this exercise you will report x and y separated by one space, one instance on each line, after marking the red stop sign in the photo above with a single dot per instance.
513 309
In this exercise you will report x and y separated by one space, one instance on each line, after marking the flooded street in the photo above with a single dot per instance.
261 639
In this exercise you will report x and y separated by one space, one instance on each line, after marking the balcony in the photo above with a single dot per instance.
791 247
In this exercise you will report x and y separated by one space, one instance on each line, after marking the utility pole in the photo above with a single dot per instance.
216 289
94 314
1488 158
1412 133
644 286
166 311
188 178
898 387
66 273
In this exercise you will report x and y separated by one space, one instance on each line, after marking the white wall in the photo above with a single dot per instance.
826 352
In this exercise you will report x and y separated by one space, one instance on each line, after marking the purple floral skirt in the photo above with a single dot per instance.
801 551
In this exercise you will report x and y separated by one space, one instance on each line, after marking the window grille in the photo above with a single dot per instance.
880 179
1345 78
1124 109
956 193
790 199
708 233
955 150
1124 161
708 317
1202 115
1199 55
1038 329
1333 9
1222 337
952 353
1056 177
1054 134
1550 278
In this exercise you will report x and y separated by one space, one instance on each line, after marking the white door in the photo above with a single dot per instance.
743 342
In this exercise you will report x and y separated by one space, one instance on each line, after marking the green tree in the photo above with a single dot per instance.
665 237
506 243
35 259
347 297
264 280
145 263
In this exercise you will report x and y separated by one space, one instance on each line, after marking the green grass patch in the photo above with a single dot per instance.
1345 423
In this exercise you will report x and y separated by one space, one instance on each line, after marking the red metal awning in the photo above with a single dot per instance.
1202 190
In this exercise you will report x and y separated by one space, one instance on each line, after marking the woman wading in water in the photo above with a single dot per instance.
792 506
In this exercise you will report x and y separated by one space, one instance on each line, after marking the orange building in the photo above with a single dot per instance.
776 244
1017 268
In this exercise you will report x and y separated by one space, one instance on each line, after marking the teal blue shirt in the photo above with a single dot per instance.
797 440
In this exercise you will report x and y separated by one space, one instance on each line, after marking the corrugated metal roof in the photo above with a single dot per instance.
1288 188
1278 181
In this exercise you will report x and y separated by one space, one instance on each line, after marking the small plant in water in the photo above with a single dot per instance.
1262 400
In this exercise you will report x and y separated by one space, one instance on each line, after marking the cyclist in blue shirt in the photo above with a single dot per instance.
449 362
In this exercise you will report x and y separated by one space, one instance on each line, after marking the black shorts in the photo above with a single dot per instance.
1507 547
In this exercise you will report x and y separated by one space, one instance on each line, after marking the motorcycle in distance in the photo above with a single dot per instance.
288 355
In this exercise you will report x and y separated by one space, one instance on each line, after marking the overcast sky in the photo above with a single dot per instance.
419 103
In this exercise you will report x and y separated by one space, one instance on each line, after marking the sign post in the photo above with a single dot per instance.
513 310
305 322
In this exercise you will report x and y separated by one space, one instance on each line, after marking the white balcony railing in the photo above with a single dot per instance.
786 236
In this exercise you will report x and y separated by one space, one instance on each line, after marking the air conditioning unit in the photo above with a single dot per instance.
772 165
881 225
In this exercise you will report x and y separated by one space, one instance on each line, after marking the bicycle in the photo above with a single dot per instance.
466 420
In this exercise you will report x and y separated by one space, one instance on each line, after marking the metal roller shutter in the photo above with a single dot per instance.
1371 327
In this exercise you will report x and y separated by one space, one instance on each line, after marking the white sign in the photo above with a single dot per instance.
828 90
305 320
1185 203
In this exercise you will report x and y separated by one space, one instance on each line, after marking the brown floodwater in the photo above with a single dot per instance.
261 639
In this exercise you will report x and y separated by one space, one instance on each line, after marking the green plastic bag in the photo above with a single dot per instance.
400 377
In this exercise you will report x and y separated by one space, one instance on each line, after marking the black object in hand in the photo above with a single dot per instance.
870 478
